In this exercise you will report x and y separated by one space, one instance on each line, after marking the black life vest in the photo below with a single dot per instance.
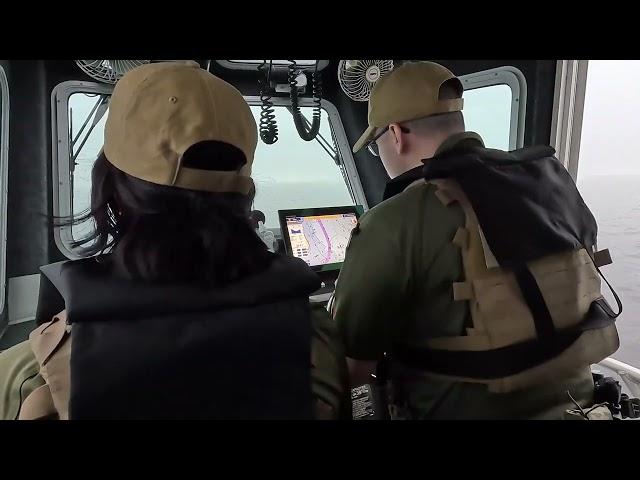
179 352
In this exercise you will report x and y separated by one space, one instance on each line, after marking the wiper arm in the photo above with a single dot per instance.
97 112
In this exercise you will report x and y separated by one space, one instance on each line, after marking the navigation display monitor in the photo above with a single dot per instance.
319 236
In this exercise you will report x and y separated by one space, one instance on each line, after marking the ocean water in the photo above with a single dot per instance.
615 202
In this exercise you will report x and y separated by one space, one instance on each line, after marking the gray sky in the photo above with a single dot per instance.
611 125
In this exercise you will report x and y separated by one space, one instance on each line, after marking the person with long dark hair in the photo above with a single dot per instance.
179 309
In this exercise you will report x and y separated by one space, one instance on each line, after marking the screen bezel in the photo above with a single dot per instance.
306 212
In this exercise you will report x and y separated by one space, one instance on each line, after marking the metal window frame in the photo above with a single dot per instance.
568 110
516 81
4 182
254 66
61 171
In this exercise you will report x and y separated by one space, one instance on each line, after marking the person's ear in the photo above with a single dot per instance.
398 137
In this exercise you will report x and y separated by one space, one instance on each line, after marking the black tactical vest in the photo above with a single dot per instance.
178 352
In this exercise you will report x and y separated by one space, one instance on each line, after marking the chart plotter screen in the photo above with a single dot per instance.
319 236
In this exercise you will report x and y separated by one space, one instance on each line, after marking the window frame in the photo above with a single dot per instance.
228 64
515 80
61 167
4 181
568 109
61 172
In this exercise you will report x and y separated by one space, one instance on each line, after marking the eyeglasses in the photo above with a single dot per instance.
372 146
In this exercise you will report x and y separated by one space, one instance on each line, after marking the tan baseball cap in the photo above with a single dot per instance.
159 110
409 92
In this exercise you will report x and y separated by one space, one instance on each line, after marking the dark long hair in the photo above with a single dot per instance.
163 234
